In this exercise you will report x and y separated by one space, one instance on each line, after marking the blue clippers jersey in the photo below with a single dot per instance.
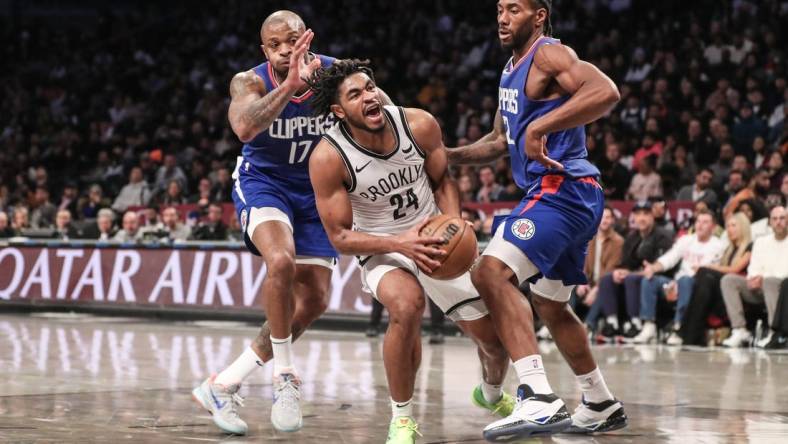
284 148
567 147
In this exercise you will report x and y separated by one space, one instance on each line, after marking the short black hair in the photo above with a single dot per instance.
325 82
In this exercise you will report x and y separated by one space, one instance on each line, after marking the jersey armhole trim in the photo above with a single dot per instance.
410 133
352 186
349 137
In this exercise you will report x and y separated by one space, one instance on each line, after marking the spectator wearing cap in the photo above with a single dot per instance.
646 183
643 244
5 228
767 269
212 228
689 252
701 189
135 193
130 228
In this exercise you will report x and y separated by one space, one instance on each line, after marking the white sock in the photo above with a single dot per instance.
401 408
612 321
593 386
240 369
492 393
530 371
283 355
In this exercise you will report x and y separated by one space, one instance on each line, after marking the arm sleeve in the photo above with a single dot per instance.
674 255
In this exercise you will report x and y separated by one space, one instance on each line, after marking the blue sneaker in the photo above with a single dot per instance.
222 402
533 414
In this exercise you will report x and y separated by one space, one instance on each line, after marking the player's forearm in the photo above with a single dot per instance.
361 244
588 104
447 197
257 115
485 150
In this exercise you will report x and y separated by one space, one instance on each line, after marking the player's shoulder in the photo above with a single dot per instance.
247 81
419 120
325 153
554 56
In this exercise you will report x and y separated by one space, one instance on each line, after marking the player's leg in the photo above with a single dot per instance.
502 265
599 411
459 301
399 291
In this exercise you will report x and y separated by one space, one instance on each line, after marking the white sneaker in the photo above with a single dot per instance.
740 337
674 339
222 402
647 335
765 340
544 333
533 413
286 411
598 417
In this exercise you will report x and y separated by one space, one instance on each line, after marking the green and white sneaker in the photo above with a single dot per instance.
403 430
503 407
222 402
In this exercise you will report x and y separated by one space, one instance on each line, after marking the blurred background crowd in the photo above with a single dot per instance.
113 127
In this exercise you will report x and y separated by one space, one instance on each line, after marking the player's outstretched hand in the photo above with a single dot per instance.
536 149
422 249
299 68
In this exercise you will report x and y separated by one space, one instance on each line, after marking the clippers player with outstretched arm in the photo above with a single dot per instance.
271 113
546 96
378 175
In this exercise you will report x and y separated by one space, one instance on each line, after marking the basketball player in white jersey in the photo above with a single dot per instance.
378 174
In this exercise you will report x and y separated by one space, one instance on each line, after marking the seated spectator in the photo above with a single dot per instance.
689 252
212 228
168 172
645 243
173 195
5 229
661 215
615 176
63 227
223 188
706 294
465 186
489 189
779 340
103 229
43 214
472 216
768 268
170 222
700 190
757 188
135 193
646 183
68 200
130 228
758 216
737 180
203 195
604 254
20 219
775 166
651 147
90 208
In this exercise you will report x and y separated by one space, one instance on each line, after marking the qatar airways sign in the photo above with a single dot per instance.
216 279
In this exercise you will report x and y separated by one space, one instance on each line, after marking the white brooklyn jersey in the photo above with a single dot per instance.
389 193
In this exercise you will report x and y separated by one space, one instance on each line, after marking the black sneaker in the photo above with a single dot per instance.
778 342
605 416
609 331
630 331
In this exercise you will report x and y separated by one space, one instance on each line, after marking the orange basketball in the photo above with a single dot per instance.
460 245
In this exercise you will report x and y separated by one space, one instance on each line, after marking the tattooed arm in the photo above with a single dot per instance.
485 150
252 108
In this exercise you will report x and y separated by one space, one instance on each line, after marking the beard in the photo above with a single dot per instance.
361 124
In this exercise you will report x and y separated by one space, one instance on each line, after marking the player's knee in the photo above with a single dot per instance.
549 310
407 309
281 264
483 275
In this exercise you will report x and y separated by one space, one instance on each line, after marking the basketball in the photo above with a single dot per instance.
460 245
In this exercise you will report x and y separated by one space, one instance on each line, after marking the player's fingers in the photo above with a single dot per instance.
431 264
303 38
550 163
309 36
430 251
424 240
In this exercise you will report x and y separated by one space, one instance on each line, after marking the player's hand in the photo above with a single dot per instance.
299 68
423 250
536 149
